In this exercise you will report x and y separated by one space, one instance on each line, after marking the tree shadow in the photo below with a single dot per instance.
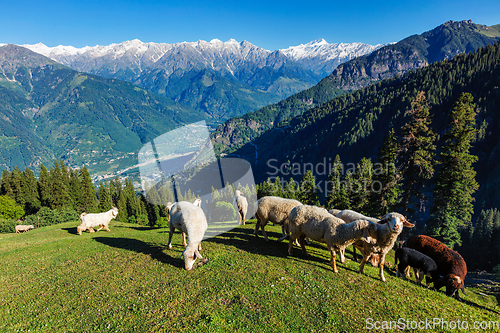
155 251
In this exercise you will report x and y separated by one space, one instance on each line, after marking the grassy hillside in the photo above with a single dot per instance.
53 280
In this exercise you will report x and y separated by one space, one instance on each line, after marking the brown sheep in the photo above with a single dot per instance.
451 265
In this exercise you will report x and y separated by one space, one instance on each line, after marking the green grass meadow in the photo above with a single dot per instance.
127 280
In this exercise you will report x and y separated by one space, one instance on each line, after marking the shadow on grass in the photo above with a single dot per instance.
71 230
156 252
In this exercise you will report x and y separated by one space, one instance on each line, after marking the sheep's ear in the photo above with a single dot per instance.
408 224
384 220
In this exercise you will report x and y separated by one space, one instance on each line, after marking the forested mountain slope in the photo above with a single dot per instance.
51 111
354 125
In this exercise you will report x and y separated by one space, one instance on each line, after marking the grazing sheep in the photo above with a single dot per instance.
276 210
422 264
191 221
451 266
101 220
240 204
349 216
317 224
23 228
387 231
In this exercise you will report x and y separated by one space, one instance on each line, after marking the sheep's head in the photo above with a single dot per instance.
31 227
453 284
237 193
190 254
114 212
396 222
197 202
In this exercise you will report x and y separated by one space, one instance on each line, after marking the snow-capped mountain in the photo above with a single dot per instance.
322 57
223 79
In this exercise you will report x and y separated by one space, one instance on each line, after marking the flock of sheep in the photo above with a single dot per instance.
337 229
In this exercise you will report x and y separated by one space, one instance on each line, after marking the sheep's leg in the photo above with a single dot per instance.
342 255
381 264
363 262
303 244
91 229
242 218
332 260
290 246
284 235
106 228
199 247
170 234
407 271
262 225
419 275
183 238
354 253
100 227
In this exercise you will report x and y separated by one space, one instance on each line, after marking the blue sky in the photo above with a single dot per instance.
268 24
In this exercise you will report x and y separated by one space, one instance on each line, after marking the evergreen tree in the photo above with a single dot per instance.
105 202
290 190
75 188
416 154
16 184
360 184
122 208
59 195
308 193
5 188
333 198
31 195
278 188
452 207
88 201
44 186
386 190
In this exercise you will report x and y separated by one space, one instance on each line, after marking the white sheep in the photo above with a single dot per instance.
101 220
240 204
23 228
191 221
349 216
197 202
276 210
387 231
318 224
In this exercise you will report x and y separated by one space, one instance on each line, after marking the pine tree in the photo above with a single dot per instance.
452 207
386 191
360 184
88 203
333 198
59 194
308 193
416 154
5 188
44 186
290 190
105 202
31 195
